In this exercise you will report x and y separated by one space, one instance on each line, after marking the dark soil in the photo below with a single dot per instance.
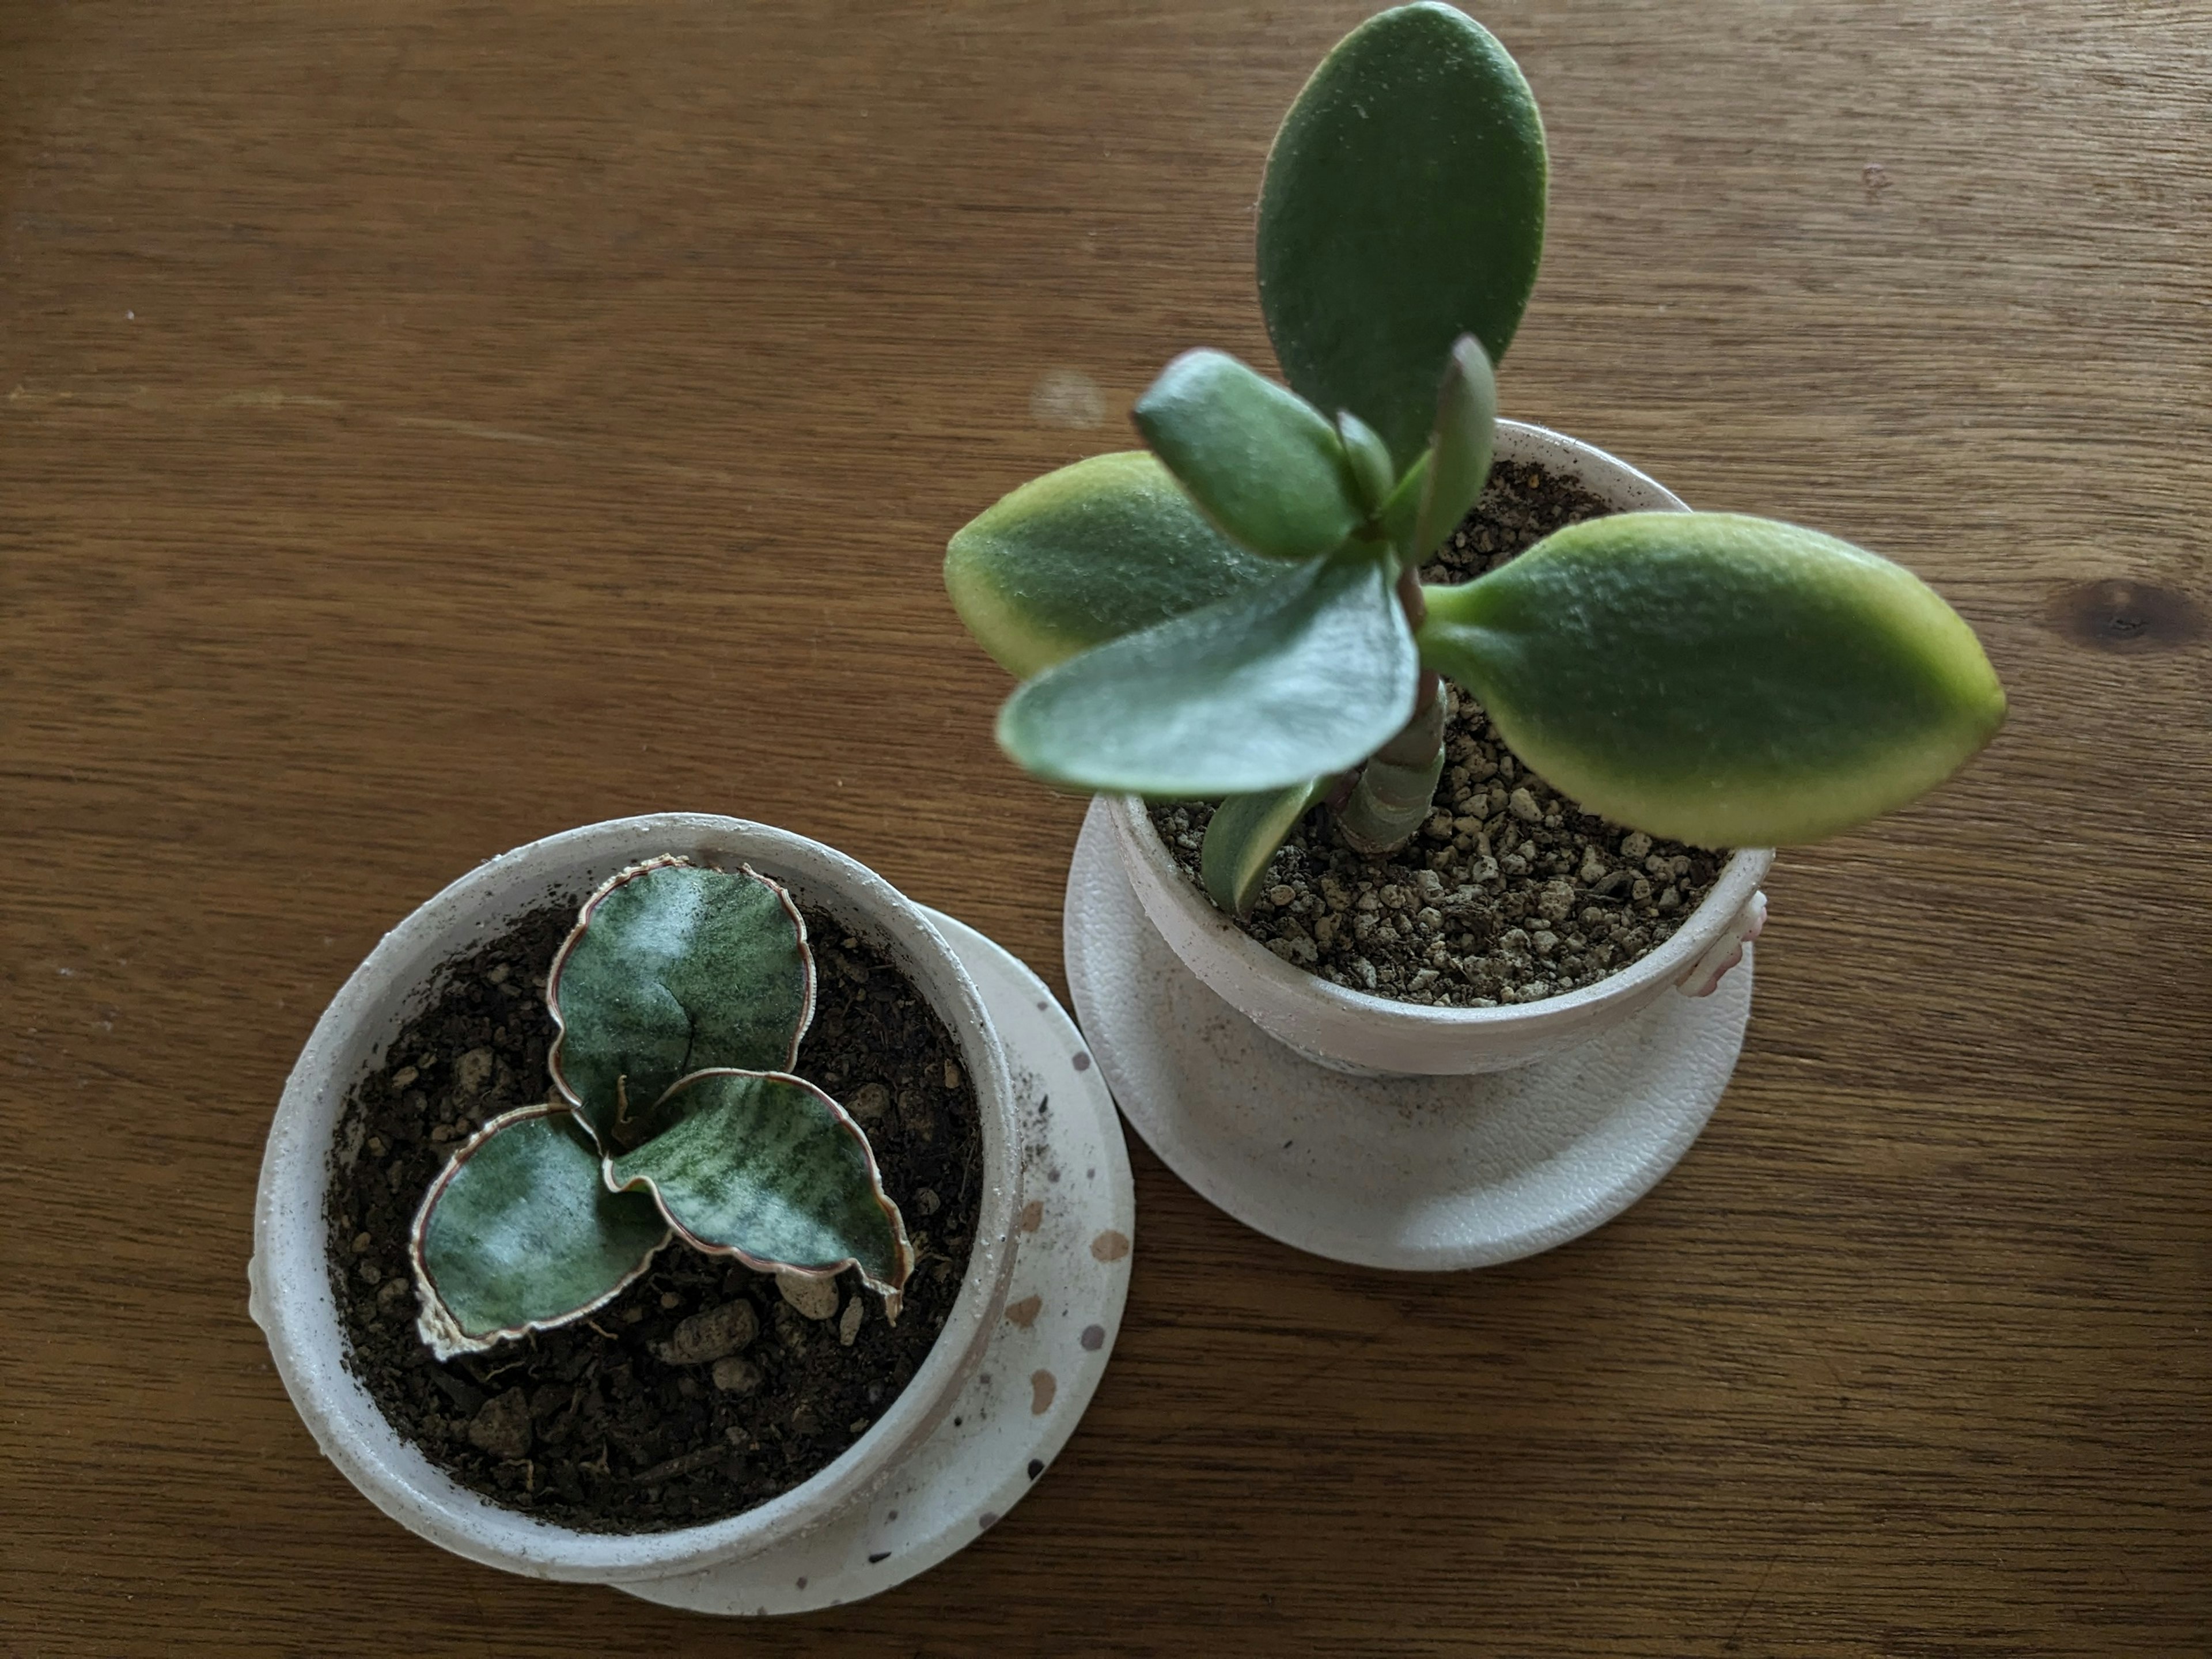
589 1425
1511 892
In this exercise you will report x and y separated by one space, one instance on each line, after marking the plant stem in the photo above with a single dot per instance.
1391 798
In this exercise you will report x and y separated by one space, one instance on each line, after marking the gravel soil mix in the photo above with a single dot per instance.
1510 892
704 1389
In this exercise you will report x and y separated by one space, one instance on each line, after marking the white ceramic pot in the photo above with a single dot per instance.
291 1297
1355 1031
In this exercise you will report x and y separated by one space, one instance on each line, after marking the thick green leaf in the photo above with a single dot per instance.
1306 676
1262 463
1459 457
1371 460
521 1233
1402 513
1104 548
769 1169
1720 680
1244 835
672 968
1403 207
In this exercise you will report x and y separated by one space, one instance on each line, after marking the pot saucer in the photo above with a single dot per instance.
1070 1277
1424 1173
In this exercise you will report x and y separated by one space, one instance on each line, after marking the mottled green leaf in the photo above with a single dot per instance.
1106 547
769 1169
521 1233
1720 680
1459 456
1308 675
1262 463
672 968
1403 207
1244 835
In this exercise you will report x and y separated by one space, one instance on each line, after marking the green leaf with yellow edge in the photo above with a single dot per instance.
1720 680
521 1233
1245 834
1403 207
1308 675
673 968
769 1169
1109 546
1262 463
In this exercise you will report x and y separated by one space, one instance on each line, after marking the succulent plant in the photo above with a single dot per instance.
1237 615
680 999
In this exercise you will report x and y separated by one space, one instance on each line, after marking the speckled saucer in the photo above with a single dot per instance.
1409 1172
1070 1278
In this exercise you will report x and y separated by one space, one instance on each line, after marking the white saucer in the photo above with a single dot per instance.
1070 1280
1410 1172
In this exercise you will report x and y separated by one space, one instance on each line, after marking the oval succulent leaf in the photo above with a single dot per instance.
521 1233
1258 692
1244 835
671 969
1459 456
1106 547
767 1168
1403 207
1721 680
1262 463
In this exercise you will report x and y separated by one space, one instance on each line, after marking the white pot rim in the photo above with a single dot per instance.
1281 994
291 1295
1670 963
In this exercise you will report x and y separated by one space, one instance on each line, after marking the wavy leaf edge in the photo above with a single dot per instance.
435 1323
902 1246
623 878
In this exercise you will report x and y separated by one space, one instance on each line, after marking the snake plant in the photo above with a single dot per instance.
1235 614
680 999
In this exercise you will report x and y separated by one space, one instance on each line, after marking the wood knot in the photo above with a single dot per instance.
2118 614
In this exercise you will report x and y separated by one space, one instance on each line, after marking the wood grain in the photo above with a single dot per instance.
427 426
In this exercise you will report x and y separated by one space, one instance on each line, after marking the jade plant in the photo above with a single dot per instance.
680 999
1235 613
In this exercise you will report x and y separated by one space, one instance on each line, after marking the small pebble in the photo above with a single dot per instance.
814 1298
502 1428
472 1072
869 1102
709 1335
952 1075
736 1375
848 1323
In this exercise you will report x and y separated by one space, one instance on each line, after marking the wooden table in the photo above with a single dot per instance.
428 426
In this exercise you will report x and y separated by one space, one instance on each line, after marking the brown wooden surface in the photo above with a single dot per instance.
424 427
